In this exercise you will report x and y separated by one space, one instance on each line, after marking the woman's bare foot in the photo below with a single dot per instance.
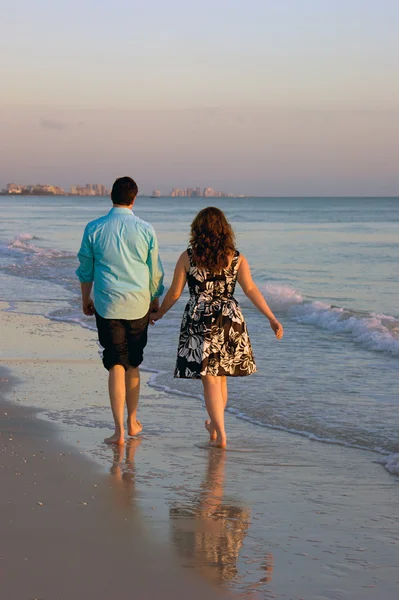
220 442
117 438
211 430
134 427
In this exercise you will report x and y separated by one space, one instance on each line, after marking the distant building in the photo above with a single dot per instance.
13 188
208 192
156 194
37 190
177 192
90 189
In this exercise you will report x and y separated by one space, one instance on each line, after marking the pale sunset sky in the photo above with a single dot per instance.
262 97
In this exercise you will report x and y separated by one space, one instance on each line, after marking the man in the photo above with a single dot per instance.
119 254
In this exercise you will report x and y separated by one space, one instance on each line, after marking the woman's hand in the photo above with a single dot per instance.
155 316
277 328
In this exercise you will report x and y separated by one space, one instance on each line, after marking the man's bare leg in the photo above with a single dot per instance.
132 379
117 396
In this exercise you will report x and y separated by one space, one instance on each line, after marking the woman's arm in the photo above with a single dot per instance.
252 292
175 290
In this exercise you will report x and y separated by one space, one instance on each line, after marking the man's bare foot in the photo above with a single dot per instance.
117 438
220 442
134 427
211 430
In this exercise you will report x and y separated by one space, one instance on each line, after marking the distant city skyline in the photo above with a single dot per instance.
90 189
98 189
261 98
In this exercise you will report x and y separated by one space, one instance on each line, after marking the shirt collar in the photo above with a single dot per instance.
120 210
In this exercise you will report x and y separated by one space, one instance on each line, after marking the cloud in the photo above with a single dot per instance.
53 124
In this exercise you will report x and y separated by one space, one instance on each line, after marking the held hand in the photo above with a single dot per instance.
88 307
277 328
154 316
154 305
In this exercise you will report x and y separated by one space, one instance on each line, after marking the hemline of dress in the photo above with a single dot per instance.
223 375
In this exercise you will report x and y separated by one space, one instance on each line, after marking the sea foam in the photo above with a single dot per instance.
21 243
391 463
373 331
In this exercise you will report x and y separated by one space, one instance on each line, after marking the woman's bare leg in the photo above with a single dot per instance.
225 392
215 406
209 426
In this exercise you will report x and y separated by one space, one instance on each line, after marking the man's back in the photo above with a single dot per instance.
119 253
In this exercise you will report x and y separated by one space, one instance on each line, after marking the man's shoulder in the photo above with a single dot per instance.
145 226
92 225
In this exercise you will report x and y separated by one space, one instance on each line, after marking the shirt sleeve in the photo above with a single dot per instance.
155 267
85 271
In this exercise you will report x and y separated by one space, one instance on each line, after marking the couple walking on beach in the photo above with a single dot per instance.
119 255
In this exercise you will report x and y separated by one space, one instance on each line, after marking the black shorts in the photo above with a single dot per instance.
123 340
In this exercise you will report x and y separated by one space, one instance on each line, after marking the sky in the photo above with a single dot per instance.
258 97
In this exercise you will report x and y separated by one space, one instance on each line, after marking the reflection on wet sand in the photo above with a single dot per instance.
208 531
123 471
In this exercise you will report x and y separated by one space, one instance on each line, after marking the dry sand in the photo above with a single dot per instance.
276 516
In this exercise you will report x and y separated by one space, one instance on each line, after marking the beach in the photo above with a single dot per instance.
240 160
69 528
275 516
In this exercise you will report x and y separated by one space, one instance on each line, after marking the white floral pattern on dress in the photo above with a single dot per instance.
213 336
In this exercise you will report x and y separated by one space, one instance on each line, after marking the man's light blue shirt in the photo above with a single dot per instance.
119 254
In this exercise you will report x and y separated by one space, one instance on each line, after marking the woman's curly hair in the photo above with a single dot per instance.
212 240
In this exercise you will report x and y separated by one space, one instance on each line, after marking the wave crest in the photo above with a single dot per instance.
373 331
391 463
21 243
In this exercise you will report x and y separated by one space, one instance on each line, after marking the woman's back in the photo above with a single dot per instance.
207 286
213 336
214 342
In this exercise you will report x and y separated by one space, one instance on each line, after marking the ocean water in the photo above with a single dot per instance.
328 268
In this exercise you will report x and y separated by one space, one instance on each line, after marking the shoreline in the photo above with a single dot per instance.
388 458
68 529
279 516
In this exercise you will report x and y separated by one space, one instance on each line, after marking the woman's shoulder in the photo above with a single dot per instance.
185 259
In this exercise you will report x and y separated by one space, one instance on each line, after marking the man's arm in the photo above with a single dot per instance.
85 273
176 289
156 272
87 302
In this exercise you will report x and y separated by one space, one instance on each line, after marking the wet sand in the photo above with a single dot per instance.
68 529
275 516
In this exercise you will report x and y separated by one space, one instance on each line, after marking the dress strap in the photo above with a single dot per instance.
234 262
190 255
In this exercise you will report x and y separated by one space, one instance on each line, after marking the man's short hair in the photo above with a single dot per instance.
124 191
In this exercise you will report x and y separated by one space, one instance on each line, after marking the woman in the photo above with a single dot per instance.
214 342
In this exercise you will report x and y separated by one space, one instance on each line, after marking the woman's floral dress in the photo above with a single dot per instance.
213 336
